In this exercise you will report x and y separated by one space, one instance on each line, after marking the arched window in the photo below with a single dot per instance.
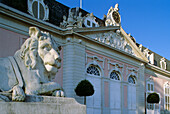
114 75
132 94
93 70
115 92
93 75
131 80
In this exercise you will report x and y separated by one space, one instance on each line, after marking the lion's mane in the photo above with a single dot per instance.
29 50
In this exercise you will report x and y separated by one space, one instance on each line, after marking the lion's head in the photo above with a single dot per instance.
40 44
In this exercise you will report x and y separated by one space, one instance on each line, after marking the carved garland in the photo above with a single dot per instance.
133 72
95 59
116 66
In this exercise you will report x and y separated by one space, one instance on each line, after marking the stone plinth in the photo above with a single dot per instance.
43 105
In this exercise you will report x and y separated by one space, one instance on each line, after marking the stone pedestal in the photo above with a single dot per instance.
43 105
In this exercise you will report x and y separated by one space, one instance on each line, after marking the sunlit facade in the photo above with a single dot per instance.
122 71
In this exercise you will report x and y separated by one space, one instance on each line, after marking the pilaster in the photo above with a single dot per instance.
73 65
140 92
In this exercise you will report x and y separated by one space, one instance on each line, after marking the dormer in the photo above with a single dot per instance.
163 63
90 21
38 9
149 55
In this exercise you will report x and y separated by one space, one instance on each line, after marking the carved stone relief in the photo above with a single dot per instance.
116 66
113 39
132 72
95 59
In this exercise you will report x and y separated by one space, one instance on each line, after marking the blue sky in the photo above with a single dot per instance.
148 21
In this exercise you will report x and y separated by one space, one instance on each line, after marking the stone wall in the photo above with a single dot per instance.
43 105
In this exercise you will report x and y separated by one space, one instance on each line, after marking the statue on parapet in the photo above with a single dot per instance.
73 20
31 70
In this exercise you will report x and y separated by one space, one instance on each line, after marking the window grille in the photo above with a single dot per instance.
114 75
93 70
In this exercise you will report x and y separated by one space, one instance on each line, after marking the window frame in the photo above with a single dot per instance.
118 74
45 8
166 86
97 67
134 78
149 82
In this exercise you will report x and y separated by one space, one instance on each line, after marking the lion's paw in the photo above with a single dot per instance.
4 98
18 94
58 93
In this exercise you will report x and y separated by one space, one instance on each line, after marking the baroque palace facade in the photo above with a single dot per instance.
122 71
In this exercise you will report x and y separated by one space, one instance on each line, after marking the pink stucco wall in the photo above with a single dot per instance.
125 96
158 87
106 70
10 42
106 91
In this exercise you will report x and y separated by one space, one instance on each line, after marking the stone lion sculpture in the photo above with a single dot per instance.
31 70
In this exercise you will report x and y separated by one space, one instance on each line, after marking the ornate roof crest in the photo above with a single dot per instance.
113 17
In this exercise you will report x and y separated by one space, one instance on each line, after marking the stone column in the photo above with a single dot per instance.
73 65
140 92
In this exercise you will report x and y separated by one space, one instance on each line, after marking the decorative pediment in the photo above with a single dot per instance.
150 79
166 84
113 39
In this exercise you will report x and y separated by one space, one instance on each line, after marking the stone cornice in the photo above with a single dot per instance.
96 29
134 45
158 69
